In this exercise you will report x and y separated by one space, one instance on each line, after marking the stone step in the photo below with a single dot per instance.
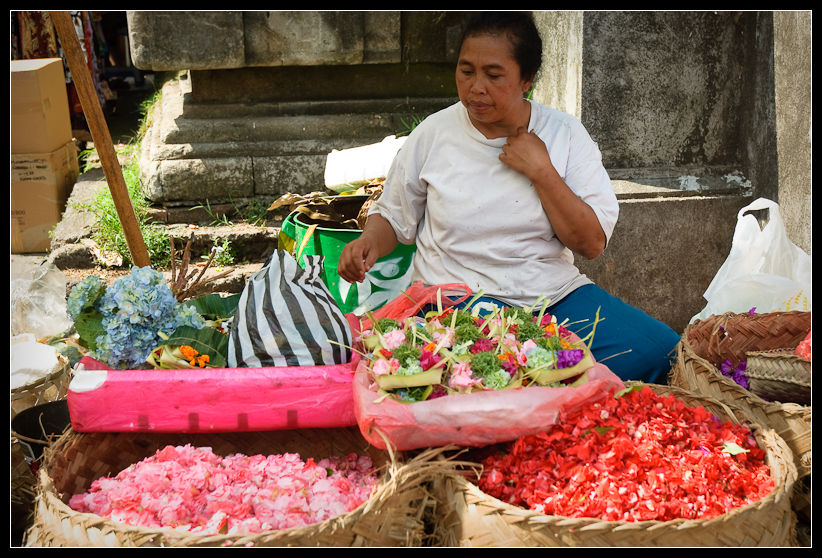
195 153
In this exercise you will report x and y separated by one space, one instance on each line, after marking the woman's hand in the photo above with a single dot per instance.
526 153
358 256
574 222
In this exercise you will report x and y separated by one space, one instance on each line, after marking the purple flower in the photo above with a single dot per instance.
569 357
736 373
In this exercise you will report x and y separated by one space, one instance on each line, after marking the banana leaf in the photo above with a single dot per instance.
215 307
206 341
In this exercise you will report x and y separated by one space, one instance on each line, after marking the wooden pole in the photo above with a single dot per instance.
101 136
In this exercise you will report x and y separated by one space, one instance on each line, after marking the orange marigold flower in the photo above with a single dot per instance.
188 352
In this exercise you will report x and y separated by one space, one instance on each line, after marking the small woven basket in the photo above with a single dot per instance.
469 517
779 375
392 516
706 344
51 387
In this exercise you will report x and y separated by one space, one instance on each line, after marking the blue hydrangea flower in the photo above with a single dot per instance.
84 294
136 309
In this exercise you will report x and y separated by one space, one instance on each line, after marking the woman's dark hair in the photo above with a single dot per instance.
520 29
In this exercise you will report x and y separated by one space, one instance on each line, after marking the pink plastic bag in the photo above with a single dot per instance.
804 347
412 300
475 419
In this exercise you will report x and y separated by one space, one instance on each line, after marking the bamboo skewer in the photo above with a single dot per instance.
101 136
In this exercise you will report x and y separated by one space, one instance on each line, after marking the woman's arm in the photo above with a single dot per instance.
574 222
377 240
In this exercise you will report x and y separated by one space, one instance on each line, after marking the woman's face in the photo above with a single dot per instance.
490 86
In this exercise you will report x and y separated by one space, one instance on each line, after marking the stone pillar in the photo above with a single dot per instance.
560 82
792 72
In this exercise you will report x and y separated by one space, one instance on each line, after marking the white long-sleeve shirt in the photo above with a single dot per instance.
477 221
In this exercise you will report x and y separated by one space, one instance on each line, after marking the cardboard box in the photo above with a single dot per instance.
40 121
40 186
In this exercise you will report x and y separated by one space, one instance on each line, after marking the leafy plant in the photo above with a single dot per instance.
108 231
216 219
255 212
413 122
224 252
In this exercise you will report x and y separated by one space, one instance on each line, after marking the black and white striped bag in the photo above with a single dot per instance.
287 317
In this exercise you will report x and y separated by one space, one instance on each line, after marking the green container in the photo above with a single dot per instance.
385 281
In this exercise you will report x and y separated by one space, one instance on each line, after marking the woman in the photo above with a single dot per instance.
498 191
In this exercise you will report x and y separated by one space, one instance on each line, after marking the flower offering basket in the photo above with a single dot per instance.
706 344
469 517
474 419
392 516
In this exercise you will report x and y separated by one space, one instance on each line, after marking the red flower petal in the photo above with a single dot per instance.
632 458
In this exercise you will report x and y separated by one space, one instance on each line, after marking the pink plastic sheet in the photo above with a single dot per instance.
214 399
475 419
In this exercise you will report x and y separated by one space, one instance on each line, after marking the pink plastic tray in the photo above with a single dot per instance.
211 400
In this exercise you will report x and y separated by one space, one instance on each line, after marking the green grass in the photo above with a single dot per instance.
107 231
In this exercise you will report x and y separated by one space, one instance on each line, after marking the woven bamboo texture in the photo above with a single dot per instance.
393 515
779 376
469 517
706 344
51 387
23 487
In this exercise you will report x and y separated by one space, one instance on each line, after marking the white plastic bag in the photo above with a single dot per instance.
348 169
38 301
764 269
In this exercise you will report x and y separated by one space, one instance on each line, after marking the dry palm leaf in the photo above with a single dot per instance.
183 284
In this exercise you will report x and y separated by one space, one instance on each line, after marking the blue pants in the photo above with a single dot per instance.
631 343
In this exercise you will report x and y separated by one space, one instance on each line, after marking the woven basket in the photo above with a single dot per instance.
391 517
469 517
706 344
779 375
50 387
23 489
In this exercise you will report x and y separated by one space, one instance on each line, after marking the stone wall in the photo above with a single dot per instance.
267 95
693 113
792 83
